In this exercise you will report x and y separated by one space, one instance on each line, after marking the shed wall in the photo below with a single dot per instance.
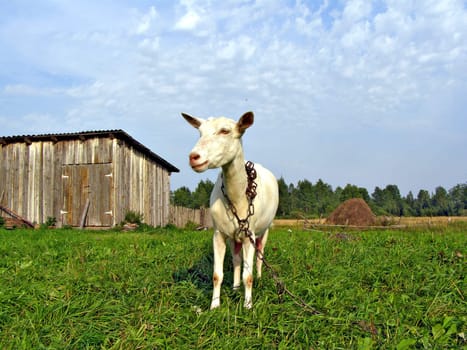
141 185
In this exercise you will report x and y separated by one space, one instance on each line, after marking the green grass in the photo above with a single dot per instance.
67 289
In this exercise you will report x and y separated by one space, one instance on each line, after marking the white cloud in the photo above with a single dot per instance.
310 28
243 48
97 88
29 124
188 21
356 10
151 44
357 37
27 90
145 22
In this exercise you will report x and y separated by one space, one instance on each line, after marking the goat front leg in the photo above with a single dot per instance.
235 248
248 257
218 274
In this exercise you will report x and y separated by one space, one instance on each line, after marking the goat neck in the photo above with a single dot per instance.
235 183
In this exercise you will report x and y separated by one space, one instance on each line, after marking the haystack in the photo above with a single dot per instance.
353 212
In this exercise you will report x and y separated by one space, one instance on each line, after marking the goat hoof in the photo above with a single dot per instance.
215 305
248 305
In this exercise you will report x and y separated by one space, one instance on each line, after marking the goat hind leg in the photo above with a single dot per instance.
260 244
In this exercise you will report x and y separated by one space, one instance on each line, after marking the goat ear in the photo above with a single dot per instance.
195 122
245 122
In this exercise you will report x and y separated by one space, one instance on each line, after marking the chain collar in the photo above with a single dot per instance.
244 224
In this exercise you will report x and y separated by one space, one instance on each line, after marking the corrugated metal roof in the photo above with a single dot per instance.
83 135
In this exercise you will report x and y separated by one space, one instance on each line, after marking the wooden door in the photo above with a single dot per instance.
83 182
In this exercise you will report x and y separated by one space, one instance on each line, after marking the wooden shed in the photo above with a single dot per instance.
60 175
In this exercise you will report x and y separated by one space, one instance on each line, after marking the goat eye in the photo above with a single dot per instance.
224 131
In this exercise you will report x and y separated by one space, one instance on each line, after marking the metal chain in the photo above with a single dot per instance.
244 227
244 224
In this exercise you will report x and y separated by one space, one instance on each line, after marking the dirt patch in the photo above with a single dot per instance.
353 212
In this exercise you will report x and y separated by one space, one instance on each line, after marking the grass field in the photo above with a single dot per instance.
65 289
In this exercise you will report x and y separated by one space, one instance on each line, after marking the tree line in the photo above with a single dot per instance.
320 199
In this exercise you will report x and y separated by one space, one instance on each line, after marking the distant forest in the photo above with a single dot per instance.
319 199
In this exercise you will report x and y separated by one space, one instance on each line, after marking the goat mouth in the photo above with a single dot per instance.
199 167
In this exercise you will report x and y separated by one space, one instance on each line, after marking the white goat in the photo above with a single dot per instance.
220 146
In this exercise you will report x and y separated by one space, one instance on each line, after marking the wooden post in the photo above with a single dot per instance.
84 214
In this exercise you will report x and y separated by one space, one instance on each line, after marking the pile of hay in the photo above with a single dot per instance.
354 212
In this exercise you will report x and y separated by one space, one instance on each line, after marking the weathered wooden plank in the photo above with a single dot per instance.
30 193
123 186
21 174
33 168
14 180
48 171
3 163
67 181
57 180
6 150
118 173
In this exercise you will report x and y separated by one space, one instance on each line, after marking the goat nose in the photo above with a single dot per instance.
194 157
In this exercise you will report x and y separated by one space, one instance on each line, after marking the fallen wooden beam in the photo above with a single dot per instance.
16 216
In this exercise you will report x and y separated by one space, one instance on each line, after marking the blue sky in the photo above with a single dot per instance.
363 92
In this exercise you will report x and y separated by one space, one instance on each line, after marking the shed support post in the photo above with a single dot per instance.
84 214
